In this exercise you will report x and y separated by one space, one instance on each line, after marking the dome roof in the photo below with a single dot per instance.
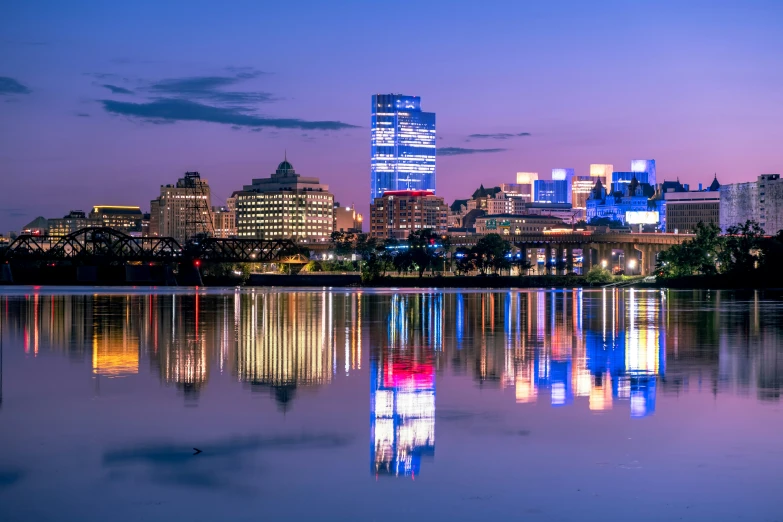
285 167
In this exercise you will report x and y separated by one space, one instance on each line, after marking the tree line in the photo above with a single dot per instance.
743 251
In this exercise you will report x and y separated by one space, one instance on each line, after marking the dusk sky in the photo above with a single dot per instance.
102 102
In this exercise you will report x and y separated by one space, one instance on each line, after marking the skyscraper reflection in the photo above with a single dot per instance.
599 350
402 384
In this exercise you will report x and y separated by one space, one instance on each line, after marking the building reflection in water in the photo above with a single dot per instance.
402 383
600 350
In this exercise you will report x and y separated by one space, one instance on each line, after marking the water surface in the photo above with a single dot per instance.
334 404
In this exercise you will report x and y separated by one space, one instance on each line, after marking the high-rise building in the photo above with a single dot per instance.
402 145
580 190
346 219
602 172
647 166
564 175
183 210
398 213
551 190
285 205
621 180
760 200
119 217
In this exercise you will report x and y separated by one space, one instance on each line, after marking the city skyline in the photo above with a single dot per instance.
83 109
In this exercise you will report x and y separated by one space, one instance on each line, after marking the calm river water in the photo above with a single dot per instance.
390 405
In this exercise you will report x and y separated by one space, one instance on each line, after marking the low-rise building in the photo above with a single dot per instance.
75 220
37 227
685 210
398 213
126 219
511 224
285 205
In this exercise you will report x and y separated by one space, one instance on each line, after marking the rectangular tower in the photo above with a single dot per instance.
402 149
647 166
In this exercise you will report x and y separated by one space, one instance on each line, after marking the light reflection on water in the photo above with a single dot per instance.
622 356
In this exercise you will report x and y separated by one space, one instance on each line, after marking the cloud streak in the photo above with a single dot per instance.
499 136
209 88
11 86
117 90
459 151
170 110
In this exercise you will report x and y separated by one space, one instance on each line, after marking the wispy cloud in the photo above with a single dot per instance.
458 151
82 115
209 88
499 135
169 110
11 86
117 90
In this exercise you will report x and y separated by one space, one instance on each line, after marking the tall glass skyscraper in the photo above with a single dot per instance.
403 145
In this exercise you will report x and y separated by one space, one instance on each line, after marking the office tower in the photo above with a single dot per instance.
551 191
285 205
580 190
602 172
621 180
567 175
402 145
346 219
182 210
123 218
647 166
398 213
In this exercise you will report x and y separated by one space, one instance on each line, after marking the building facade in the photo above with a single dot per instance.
510 224
580 190
566 175
398 213
402 152
75 220
123 218
760 201
346 219
647 166
601 171
551 191
183 210
685 210
285 205
636 197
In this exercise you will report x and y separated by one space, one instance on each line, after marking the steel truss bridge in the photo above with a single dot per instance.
103 245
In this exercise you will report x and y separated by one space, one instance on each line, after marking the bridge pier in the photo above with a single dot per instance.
569 259
5 273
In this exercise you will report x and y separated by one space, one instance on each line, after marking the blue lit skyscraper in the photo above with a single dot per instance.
402 145
647 166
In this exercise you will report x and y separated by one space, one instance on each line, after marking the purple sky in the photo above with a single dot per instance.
216 87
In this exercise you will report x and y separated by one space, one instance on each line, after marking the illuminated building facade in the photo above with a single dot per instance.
601 171
511 224
183 210
346 219
580 190
645 166
75 220
398 213
285 205
123 218
566 175
551 191
402 153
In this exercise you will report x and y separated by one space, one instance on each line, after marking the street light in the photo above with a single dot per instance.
632 264
604 263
